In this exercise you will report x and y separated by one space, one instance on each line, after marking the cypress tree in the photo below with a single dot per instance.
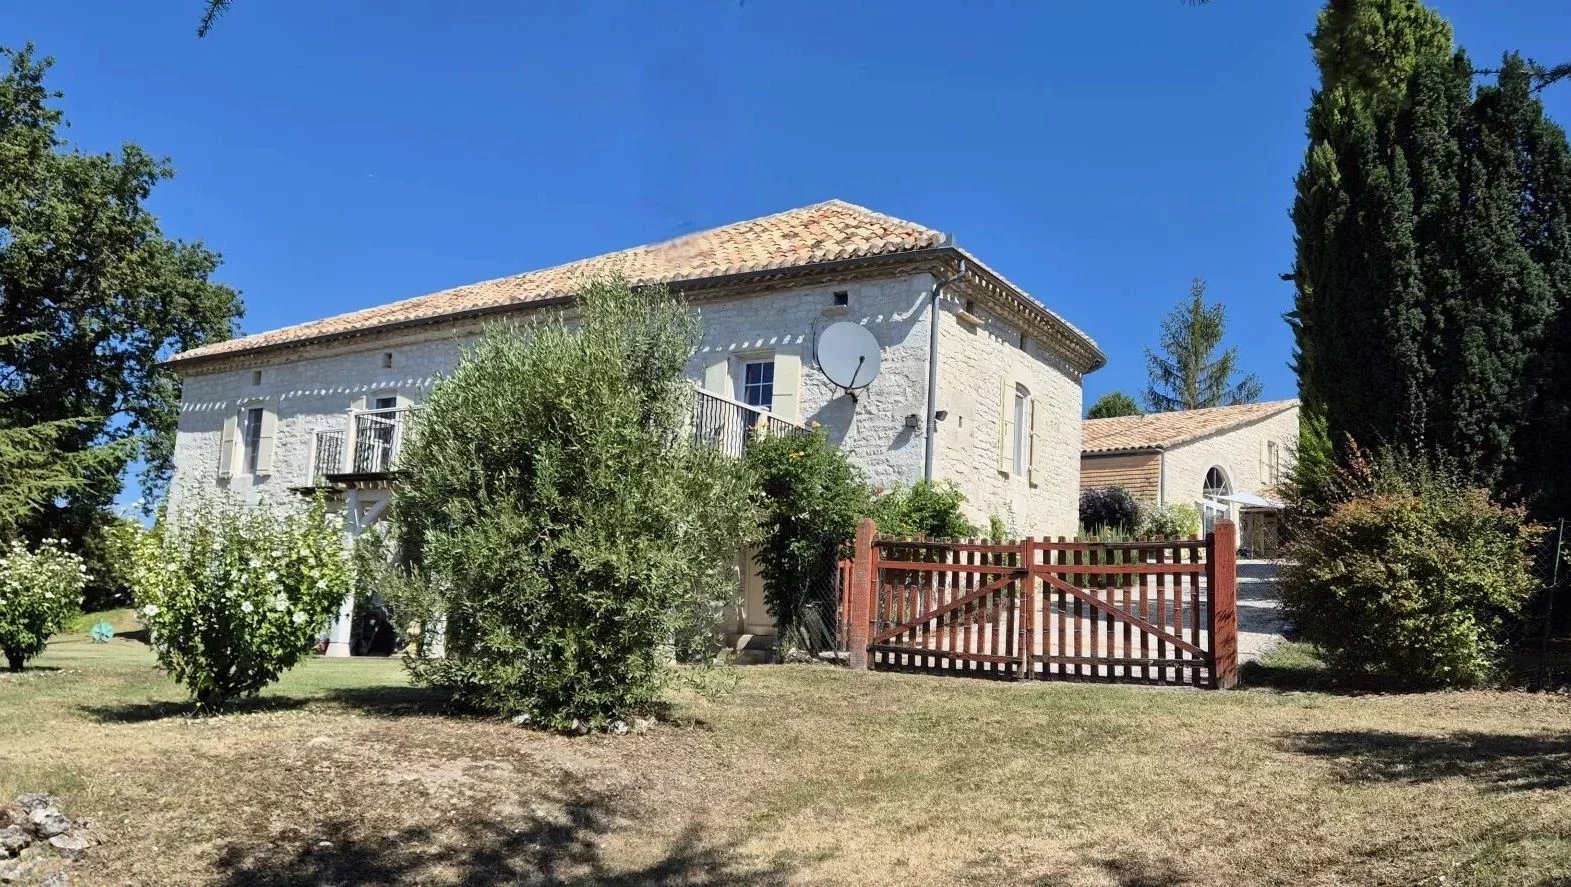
1367 51
1506 298
1433 268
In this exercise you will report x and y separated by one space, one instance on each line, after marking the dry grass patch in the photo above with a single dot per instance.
343 774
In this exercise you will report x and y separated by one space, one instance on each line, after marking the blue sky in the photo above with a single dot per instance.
1101 155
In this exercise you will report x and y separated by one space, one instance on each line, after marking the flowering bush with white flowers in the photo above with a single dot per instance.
39 591
234 595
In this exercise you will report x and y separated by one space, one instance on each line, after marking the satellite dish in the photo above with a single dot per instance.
848 355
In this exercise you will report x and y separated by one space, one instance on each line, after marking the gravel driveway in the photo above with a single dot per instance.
1260 620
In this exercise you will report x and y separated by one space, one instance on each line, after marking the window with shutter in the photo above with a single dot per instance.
1006 426
226 446
251 439
1038 444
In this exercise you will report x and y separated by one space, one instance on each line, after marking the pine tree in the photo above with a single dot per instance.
1112 405
1187 373
34 469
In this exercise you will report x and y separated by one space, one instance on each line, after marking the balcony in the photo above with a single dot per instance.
727 425
370 444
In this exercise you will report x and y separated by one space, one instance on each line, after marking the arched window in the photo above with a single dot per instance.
1216 483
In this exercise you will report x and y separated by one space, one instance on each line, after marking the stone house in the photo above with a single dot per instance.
1226 461
323 404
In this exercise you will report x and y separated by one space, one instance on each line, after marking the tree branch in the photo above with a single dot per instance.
215 8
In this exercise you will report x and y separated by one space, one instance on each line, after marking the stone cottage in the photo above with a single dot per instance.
1226 461
324 403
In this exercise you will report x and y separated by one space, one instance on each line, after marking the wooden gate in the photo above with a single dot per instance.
1149 611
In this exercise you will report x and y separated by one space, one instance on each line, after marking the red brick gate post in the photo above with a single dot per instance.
1222 603
859 600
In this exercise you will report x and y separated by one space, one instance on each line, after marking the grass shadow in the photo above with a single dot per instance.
1143 871
143 712
1497 761
1291 668
560 844
1134 870
394 701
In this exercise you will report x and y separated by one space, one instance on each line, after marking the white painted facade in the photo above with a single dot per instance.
983 359
302 390
1244 454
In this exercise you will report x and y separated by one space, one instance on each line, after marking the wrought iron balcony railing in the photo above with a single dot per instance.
373 439
727 425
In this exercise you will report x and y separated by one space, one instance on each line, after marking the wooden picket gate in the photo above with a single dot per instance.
1149 611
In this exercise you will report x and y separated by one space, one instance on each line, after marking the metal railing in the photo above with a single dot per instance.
727 425
379 435
327 453
374 439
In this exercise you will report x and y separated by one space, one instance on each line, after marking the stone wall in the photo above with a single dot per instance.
1240 452
979 354
315 387
869 428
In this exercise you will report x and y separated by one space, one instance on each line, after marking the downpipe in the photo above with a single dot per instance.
931 434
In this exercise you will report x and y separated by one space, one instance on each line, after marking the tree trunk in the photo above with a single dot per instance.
14 661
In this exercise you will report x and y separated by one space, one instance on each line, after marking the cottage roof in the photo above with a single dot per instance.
833 231
1159 431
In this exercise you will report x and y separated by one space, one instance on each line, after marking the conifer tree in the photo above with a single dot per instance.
1187 373
1432 252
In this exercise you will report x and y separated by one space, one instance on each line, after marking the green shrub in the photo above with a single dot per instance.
1174 520
39 591
233 595
997 529
1108 509
810 498
399 592
1411 579
927 509
571 528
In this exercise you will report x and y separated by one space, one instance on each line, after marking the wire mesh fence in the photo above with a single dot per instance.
1543 642
818 632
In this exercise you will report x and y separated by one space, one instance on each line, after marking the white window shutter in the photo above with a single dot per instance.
1265 462
717 376
1006 426
226 445
1035 473
788 378
264 442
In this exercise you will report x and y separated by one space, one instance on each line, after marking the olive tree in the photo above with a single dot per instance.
555 501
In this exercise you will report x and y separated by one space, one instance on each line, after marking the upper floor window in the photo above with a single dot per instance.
1273 462
1021 445
251 438
758 383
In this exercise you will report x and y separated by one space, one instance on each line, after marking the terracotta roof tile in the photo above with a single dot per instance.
1163 430
822 232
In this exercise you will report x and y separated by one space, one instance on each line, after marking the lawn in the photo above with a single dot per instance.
343 774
